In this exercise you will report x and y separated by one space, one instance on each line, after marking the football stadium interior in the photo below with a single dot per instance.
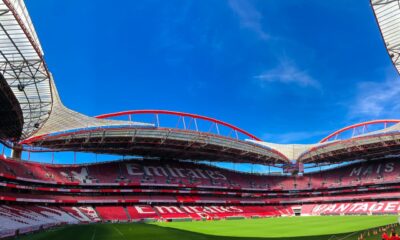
165 183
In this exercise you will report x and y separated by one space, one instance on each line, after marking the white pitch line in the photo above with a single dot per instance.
94 233
118 231
347 236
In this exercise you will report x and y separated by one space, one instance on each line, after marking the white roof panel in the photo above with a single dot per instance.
23 66
387 13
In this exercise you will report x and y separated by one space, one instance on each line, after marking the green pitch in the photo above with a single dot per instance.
294 228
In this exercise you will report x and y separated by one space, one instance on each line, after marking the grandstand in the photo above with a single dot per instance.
167 179
142 190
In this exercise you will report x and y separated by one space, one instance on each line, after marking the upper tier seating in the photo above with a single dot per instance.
152 172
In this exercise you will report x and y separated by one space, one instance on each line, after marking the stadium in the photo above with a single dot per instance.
164 183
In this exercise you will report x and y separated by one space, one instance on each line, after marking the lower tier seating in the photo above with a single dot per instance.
18 219
347 208
22 219
112 213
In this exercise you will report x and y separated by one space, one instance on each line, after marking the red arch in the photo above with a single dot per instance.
359 125
180 114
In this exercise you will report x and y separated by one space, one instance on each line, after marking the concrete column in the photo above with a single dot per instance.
16 152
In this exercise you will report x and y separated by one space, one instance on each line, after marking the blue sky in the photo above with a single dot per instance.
287 71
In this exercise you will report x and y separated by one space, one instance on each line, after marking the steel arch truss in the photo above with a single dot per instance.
159 142
23 66
154 140
359 148
191 120
359 129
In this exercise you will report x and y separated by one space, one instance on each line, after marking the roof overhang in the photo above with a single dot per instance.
387 14
23 66
158 142
364 147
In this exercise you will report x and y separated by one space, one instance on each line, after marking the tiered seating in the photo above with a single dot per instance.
307 209
265 211
90 213
142 212
112 213
184 173
201 212
185 190
348 208
83 214
169 199
284 211
31 218
171 212
130 172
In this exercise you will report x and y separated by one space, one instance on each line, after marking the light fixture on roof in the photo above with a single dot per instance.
21 87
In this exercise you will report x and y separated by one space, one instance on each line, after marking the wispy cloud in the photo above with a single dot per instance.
249 17
377 99
288 73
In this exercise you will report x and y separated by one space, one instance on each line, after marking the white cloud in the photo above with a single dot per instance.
377 99
288 73
249 17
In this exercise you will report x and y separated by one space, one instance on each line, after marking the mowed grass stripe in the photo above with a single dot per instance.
296 228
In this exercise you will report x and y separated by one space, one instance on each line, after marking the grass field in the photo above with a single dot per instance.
295 228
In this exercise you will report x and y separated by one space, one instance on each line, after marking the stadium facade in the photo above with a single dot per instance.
166 179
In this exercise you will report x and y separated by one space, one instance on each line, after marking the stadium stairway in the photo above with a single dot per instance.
127 214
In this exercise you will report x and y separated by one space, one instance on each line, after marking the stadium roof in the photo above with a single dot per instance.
23 66
387 14
48 124
44 116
